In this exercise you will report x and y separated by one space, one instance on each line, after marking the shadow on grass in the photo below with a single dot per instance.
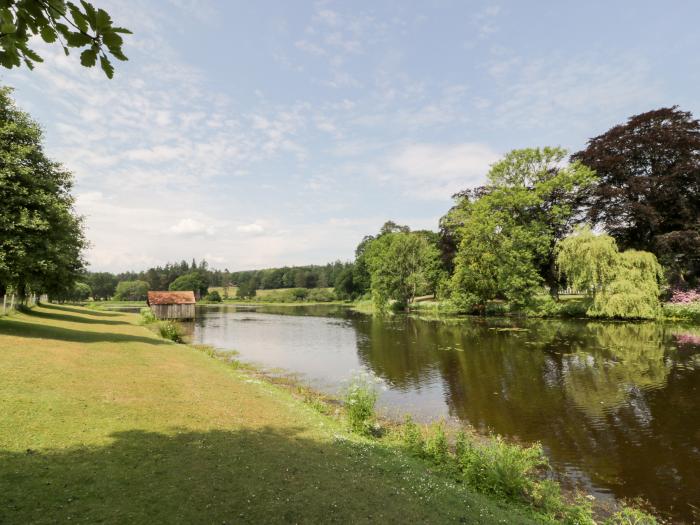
246 476
82 311
19 328
70 318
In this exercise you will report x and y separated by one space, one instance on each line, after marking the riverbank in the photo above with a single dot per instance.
101 420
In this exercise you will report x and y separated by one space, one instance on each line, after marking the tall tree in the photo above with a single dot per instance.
507 230
402 265
73 26
41 237
648 197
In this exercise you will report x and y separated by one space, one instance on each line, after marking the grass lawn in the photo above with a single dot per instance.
103 422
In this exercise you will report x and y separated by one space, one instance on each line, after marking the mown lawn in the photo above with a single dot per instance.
103 422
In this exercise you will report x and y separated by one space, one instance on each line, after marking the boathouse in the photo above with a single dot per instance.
172 305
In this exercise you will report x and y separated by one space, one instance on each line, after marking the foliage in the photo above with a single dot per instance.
436 446
78 292
631 516
247 290
171 330
402 266
131 291
360 398
648 197
72 25
194 281
634 290
146 316
589 261
102 284
498 467
622 284
41 237
682 311
507 230
320 295
685 296
213 297
412 437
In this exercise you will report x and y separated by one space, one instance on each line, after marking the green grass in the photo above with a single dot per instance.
103 421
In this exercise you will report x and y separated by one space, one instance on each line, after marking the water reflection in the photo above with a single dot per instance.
615 403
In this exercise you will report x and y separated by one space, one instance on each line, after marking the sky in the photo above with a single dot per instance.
270 133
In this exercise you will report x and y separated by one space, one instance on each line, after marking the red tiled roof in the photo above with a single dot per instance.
171 298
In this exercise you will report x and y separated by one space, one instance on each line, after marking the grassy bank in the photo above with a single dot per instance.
103 421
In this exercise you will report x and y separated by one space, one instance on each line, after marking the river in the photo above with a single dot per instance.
616 406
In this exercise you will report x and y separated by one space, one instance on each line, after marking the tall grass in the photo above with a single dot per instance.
171 330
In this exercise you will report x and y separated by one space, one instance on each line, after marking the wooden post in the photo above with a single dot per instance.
12 302
4 304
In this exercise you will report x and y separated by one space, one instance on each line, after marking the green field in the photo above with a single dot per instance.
102 421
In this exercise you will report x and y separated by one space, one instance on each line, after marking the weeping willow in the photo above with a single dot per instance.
623 285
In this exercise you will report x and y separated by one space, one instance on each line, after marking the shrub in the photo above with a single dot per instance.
630 516
436 447
579 513
170 330
684 311
213 297
497 467
411 436
321 295
685 296
360 399
146 316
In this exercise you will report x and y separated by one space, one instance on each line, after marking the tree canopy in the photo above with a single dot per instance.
648 197
41 237
402 265
79 26
507 230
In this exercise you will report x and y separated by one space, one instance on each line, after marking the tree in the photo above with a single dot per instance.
402 265
131 291
41 237
73 26
247 289
648 197
588 260
621 284
195 281
103 285
507 230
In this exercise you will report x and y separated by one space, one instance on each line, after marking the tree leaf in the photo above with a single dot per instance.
107 66
48 35
88 57
102 20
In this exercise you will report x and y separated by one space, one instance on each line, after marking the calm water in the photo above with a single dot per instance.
616 405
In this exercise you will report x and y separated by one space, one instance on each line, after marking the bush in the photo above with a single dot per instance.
213 297
683 311
412 437
630 516
170 330
436 447
146 316
321 295
685 296
501 468
360 399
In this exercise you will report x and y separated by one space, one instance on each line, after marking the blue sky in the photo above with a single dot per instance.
265 133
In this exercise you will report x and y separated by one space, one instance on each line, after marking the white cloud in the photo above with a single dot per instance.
191 227
436 171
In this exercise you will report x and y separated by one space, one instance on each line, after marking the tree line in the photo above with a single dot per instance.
615 222
198 277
